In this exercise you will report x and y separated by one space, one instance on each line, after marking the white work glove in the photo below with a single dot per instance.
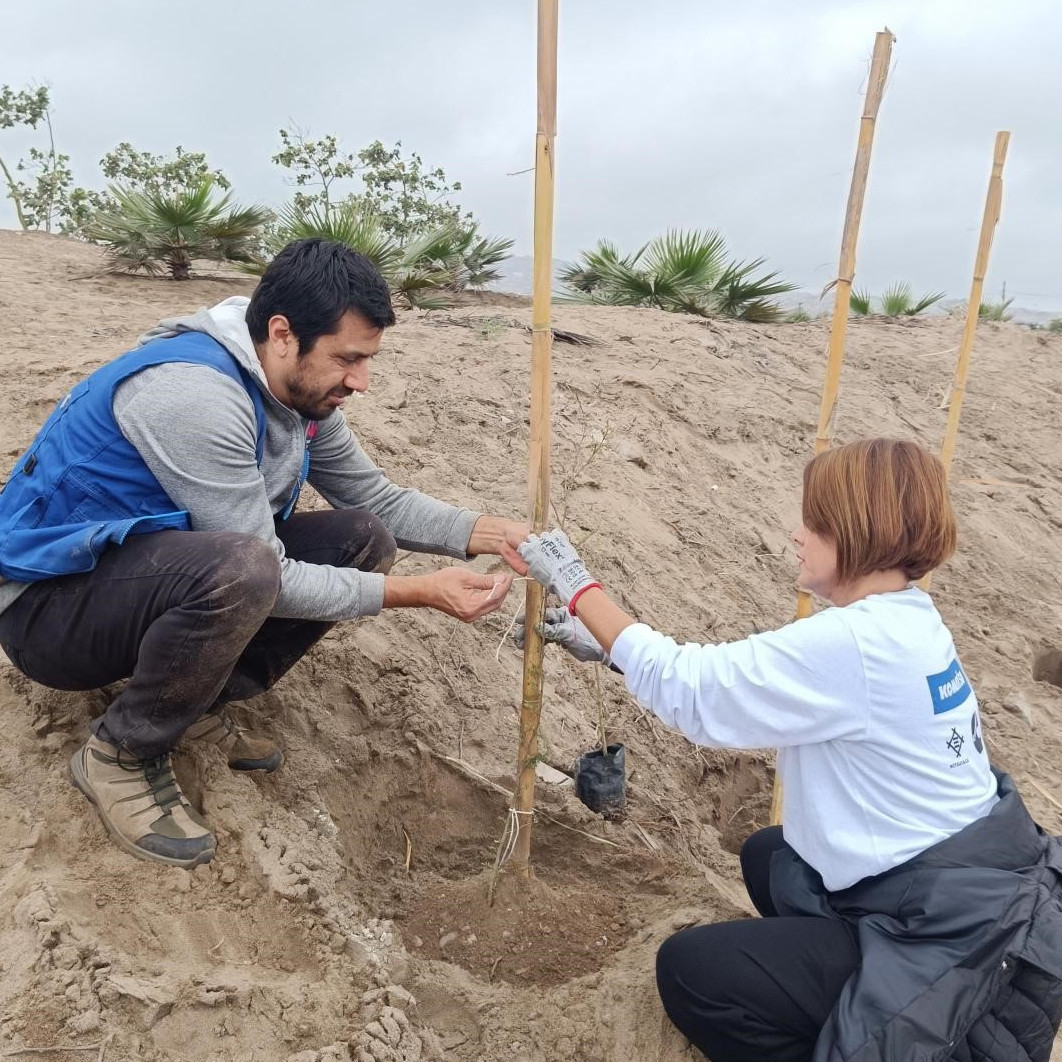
553 562
568 631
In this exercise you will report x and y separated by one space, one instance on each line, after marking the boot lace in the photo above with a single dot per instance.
158 773
232 728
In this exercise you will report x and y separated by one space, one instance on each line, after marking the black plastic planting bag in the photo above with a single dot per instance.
601 781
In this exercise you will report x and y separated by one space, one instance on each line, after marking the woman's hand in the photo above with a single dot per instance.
551 560
568 632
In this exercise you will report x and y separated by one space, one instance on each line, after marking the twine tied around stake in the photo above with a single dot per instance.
512 830
506 847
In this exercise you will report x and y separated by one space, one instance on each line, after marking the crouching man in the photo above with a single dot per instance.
150 533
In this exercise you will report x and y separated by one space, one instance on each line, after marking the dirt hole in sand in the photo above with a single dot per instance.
403 803
541 932
1047 666
740 793
584 903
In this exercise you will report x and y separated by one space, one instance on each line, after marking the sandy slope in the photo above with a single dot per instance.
678 448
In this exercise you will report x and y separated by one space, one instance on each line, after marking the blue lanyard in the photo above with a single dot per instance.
304 472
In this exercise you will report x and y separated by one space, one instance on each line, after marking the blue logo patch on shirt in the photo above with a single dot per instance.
948 689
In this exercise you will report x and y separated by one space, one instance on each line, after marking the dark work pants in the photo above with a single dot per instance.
184 615
760 989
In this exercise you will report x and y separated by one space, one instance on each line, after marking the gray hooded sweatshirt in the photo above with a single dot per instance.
196 431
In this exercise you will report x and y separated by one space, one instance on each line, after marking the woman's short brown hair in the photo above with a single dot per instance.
884 503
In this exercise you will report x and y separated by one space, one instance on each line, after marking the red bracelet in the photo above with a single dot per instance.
579 593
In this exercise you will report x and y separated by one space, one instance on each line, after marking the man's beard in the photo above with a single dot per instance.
310 404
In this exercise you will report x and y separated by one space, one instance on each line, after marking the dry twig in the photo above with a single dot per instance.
409 850
1044 793
600 712
649 842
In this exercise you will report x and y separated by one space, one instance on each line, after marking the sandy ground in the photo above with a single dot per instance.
345 913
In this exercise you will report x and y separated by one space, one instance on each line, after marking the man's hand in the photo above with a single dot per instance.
466 595
493 534
551 560
567 631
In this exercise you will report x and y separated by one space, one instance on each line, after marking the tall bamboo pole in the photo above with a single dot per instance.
989 220
538 444
879 72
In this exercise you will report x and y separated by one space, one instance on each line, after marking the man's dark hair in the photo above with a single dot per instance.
313 283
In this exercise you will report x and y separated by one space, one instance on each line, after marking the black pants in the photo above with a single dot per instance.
757 990
184 615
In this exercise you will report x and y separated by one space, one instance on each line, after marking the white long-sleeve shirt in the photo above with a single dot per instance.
880 748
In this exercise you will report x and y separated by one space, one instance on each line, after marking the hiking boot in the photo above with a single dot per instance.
245 750
142 805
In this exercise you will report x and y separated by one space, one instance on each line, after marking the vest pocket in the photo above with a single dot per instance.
91 501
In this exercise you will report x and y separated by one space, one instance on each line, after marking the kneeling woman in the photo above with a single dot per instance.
912 909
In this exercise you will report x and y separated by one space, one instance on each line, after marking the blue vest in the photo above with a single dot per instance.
81 486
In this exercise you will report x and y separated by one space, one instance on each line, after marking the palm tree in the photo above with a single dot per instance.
343 223
413 281
347 223
420 278
995 311
423 272
859 302
159 232
468 258
590 275
897 301
683 272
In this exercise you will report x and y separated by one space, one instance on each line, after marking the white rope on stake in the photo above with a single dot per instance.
512 831
506 846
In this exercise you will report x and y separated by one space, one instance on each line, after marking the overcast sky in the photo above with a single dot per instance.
678 113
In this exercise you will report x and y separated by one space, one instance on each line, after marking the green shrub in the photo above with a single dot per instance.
683 272
424 272
859 303
895 301
995 311
159 232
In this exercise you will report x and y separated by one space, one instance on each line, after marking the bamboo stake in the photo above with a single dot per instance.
879 72
993 206
538 444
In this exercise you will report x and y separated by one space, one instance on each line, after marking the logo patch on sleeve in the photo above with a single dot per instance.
948 689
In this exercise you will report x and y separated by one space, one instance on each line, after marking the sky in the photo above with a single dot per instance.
674 114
